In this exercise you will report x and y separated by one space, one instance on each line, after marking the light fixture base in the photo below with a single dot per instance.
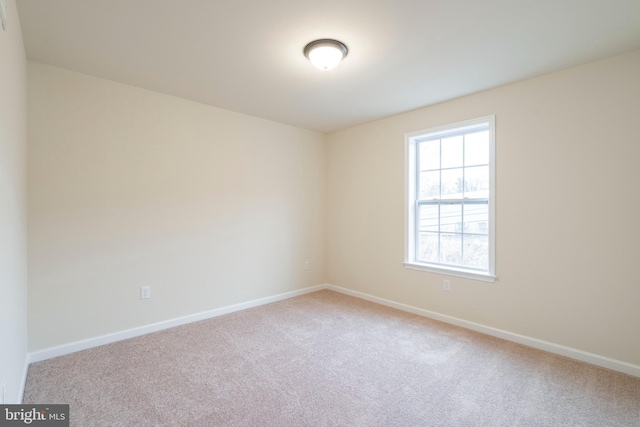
325 53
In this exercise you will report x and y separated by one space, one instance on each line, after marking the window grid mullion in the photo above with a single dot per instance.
462 233
416 244
440 204
454 167
462 204
439 232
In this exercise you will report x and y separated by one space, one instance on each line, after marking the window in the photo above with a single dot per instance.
450 199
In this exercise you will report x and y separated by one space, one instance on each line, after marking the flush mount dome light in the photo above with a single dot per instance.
325 54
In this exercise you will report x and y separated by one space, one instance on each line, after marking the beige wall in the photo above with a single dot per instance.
129 187
13 204
568 210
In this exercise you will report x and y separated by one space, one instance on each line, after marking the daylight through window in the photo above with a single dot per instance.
450 199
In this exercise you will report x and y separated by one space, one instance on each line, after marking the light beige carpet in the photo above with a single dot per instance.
326 359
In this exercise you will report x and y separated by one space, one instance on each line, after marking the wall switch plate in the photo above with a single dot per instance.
145 292
446 285
307 265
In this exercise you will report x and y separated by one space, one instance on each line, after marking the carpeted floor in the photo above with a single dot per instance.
326 359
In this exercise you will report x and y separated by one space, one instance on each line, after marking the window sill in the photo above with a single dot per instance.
467 274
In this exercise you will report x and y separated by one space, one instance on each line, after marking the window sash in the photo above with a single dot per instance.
439 232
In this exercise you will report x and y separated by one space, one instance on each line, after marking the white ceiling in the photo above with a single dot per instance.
246 55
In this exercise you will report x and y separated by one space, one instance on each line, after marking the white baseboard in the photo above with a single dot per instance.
72 347
573 353
594 359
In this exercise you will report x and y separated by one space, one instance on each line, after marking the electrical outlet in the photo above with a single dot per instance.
446 285
145 292
307 265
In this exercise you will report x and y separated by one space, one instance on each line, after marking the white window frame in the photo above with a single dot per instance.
411 140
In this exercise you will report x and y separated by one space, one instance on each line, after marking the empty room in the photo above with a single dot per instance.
291 213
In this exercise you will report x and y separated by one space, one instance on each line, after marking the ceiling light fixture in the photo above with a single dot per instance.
325 54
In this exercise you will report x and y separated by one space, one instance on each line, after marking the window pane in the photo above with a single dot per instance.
429 217
451 218
429 155
452 184
429 185
476 218
428 247
452 152
476 182
476 148
476 251
451 249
